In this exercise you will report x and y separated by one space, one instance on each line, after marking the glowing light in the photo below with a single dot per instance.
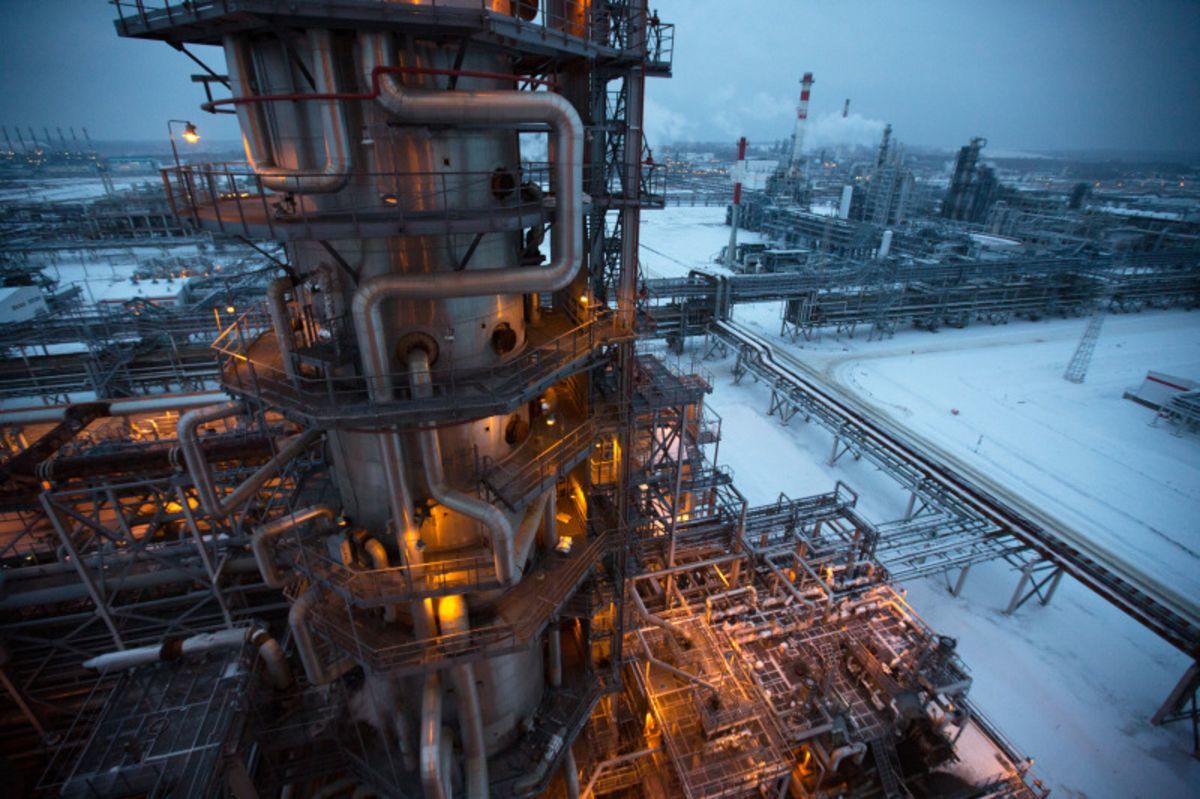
190 134
229 309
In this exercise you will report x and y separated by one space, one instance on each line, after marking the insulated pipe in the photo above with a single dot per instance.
122 407
527 531
252 119
379 560
570 774
530 780
273 657
502 533
550 521
855 750
452 613
639 608
169 649
481 109
314 669
431 739
267 533
554 641
277 308
198 467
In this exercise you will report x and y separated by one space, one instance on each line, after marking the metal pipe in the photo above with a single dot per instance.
169 649
273 657
604 765
481 109
306 647
550 521
198 466
570 774
502 534
431 739
554 641
639 608
855 750
452 613
277 308
334 174
530 780
260 543
122 407
527 531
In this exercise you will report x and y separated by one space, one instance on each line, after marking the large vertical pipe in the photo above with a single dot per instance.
452 613
431 739
335 172
502 533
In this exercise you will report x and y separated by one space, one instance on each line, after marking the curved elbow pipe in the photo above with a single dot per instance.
335 173
855 750
379 560
198 466
264 536
306 647
274 658
484 109
502 534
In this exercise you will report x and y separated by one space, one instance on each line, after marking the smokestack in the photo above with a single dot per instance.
801 115
846 108
739 172
847 196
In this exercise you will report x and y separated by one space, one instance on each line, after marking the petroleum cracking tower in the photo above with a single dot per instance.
449 369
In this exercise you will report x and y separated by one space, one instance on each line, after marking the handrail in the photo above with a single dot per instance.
251 366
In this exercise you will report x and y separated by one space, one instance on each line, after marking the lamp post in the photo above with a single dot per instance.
189 135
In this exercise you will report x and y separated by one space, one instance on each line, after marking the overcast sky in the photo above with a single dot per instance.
1027 74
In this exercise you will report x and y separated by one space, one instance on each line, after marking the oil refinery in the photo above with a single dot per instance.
381 470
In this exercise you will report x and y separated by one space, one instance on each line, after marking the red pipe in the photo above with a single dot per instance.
375 73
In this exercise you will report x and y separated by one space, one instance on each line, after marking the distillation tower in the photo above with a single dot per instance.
446 530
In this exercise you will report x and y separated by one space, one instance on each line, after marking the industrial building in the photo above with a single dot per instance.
420 507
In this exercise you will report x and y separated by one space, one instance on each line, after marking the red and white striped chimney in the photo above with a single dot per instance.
739 171
806 83
739 174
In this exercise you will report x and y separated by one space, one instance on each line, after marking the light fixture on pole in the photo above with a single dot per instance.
190 135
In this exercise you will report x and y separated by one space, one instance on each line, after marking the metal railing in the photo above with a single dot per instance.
618 26
397 584
516 478
232 198
251 365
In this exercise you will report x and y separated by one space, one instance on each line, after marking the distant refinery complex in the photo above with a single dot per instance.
370 473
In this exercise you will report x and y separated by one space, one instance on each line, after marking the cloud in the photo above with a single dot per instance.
832 129
664 126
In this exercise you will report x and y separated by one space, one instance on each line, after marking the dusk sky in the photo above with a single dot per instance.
1027 74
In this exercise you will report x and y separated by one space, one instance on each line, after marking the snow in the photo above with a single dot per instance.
1075 682
680 238
63 189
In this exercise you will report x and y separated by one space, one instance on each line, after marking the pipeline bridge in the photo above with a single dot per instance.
881 296
957 516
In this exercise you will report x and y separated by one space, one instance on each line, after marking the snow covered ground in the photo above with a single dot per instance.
64 189
1072 683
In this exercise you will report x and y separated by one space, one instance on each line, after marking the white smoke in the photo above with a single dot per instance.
664 126
833 130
